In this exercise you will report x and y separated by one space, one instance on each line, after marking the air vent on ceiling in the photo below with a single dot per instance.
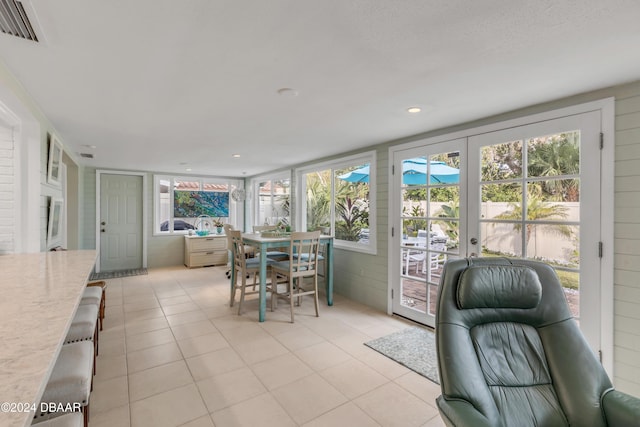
86 155
14 20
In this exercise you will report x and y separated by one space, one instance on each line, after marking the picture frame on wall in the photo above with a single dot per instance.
54 166
54 227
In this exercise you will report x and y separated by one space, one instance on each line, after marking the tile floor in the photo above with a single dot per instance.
172 353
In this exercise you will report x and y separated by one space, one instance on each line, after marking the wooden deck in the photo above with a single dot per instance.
414 290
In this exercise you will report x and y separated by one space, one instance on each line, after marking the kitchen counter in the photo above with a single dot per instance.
39 294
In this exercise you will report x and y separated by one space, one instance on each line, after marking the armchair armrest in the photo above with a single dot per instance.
621 409
460 413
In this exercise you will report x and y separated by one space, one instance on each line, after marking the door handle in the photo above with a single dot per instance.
474 241
102 230
103 223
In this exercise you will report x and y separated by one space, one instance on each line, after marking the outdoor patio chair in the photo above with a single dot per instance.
426 262
510 353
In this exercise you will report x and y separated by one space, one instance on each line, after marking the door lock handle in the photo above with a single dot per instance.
103 223
474 241
102 230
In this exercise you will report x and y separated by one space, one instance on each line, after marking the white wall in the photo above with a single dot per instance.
165 250
627 241
29 133
7 189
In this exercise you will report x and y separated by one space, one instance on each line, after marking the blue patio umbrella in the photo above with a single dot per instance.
414 172
360 174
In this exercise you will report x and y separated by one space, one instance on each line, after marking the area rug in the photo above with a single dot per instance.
116 274
413 347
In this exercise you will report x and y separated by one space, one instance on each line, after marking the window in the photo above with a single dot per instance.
339 198
188 203
272 205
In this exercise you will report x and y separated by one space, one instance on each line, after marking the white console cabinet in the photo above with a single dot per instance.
200 251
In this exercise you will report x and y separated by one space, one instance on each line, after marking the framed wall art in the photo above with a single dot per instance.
54 227
191 204
54 166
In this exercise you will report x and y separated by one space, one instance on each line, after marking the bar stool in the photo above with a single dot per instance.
84 328
70 381
93 295
73 419
103 286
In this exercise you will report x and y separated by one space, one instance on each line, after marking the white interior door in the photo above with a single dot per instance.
121 222
534 192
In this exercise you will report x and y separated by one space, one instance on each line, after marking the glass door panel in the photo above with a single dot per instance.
428 224
526 193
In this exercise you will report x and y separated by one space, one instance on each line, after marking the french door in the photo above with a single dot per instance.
536 195
525 192
431 225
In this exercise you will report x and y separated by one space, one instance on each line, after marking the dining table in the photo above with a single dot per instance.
263 243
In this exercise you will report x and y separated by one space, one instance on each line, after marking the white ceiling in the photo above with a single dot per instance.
164 85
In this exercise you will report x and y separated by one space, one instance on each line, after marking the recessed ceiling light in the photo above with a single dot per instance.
287 91
235 156
188 169
89 146
414 110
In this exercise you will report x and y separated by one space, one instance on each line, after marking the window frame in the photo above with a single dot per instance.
367 157
236 209
253 217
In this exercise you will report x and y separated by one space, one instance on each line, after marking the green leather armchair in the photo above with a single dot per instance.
510 354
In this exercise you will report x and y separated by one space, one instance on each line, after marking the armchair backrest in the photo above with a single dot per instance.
508 345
